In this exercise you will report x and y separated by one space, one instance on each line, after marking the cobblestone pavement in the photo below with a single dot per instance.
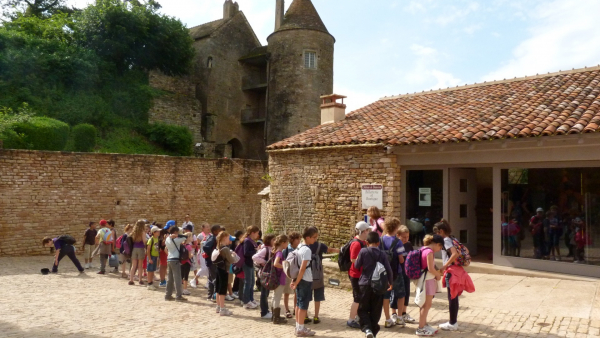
91 305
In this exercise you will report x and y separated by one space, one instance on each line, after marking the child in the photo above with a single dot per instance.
124 259
359 242
201 238
303 283
375 220
536 225
173 243
449 256
223 262
431 245
280 243
389 243
235 289
581 241
188 227
186 265
62 249
209 245
260 259
104 240
369 310
404 235
249 249
152 252
294 239
113 240
89 243
138 239
163 254
318 249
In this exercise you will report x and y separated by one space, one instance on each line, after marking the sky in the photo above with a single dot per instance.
392 47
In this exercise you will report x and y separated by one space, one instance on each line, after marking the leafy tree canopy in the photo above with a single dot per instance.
38 8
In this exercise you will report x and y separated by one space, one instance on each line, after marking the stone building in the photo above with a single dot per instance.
485 157
242 96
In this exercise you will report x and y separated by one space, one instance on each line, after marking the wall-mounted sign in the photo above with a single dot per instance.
372 195
424 197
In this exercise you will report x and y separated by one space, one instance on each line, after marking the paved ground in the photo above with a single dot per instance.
69 305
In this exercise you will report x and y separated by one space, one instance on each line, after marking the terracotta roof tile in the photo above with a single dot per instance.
555 104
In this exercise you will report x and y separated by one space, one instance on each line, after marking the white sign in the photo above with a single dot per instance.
372 195
424 197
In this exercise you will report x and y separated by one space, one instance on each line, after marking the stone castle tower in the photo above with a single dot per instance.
242 96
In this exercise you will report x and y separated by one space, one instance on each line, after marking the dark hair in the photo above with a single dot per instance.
309 232
215 229
111 222
250 230
91 223
173 230
437 239
294 236
46 240
268 239
259 233
444 226
373 237
238 234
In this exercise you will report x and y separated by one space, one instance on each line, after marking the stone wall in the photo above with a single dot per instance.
322 188
54 193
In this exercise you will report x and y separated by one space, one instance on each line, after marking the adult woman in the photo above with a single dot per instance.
249 243
138 254
375 220
431 245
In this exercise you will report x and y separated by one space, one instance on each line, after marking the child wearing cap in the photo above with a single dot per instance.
152 252
104 240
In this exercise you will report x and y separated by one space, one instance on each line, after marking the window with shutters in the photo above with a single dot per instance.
310 60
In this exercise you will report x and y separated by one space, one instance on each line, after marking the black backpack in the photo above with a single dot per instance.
390 253
184 253
344 262
67 239
379 278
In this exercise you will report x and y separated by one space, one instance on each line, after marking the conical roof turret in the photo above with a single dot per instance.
302 14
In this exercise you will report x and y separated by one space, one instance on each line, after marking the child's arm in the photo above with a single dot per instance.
431 266
277 263
300 275
149 252
452 258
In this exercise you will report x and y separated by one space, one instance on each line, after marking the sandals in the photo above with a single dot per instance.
288 314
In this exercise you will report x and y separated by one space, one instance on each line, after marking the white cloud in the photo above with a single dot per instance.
424 72
452 13
564 35
472 28
444 79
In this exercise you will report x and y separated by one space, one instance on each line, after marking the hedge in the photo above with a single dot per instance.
175 139
42 133
84 137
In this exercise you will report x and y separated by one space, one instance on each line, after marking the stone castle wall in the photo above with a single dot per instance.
54 193
323 188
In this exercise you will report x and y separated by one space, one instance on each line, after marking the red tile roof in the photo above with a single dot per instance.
555 104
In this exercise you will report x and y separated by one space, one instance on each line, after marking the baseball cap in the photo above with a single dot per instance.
169 224
188 227
155 229
102 222
362 226
540 210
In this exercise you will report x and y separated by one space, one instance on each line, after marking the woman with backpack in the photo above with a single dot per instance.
454 274
375 220
260 259
224 257
138 254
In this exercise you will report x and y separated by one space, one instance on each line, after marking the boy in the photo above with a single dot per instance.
209 246
294 239
359 242
303 283
389 242
152 252
173 243
318 249
369 310
404 235
62 249
89 242
104 240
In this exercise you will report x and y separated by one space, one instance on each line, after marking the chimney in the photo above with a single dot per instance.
279 13
230 9
331 110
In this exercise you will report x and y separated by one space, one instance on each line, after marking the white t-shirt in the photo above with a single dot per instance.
306 255
447 246
186 223
173 247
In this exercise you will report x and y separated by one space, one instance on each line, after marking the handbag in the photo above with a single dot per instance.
420 292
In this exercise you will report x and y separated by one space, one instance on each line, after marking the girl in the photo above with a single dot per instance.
236 282
138 254
124 258
162 256
375 220
449 255
201 238
260 259
431 245
225 258
186 266
249 243
279 245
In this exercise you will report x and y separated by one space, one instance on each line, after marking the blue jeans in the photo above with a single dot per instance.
264 301
248 284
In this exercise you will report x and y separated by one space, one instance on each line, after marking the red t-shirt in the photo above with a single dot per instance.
354 250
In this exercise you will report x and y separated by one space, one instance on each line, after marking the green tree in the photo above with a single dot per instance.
37 8
132 35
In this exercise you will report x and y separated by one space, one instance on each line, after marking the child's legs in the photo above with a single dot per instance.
140 265
304 295
386 308
286 300
319 296
277 296
171 280
355 297
134 263
425 311
103 259
248 284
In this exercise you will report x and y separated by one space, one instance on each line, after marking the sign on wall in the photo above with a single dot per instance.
424 197
372 195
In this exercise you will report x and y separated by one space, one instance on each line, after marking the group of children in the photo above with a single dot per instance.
232 265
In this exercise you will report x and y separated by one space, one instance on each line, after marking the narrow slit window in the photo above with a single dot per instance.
310 60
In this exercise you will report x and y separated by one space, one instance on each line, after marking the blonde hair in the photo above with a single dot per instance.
403 229
128 228
139 229
391 225
278 241
373 212
221 236
427 239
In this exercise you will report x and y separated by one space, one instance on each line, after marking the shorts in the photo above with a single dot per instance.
154 265
319 294
222 282
397 289
431 287
138 254
185 271
88 249
288 289
355 289
163 258
304 294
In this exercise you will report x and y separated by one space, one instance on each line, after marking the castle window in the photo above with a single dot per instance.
209 62
310 60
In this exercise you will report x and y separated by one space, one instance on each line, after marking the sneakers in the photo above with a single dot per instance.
151 287
449 327
305 333
408 319
87 265
218 309
131 282
181 299
186 292
101 273
229 298
369 333
269 315
235 295
225 312
353 324
424 332
316 320
193 283
428 327
389 323
163 284
169 298
254 303
250 306
398 320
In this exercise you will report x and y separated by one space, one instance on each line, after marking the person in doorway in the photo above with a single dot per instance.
318 249
432 244
63 246
369 310
394 249
554 231
294 239
536 226
582 240
359 242
89 244
303 283
173 243
375 220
